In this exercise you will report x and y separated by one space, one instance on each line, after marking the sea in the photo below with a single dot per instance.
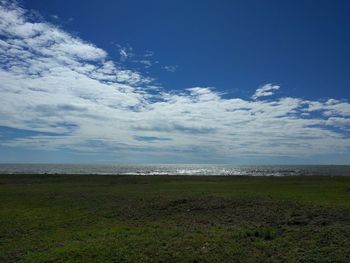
178 169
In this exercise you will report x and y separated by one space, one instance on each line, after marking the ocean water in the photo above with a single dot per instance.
178 169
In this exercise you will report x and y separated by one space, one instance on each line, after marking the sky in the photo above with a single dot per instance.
241 82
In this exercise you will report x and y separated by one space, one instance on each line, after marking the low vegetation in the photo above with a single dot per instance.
95 218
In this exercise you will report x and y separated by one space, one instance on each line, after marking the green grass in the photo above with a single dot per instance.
72 218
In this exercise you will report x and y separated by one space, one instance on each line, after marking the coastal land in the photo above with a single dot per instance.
110 218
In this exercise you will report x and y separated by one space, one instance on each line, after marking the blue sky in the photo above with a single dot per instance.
175 81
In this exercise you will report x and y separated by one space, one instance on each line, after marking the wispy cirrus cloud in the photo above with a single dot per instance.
75 97
125 52
170 68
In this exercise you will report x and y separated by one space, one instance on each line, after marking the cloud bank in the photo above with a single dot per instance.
73 97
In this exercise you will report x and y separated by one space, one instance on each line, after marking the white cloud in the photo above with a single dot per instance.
170 68
266 90
125 52
331 107
147 63
339 122
54 82
148 54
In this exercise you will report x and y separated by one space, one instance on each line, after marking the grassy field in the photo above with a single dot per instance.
72 218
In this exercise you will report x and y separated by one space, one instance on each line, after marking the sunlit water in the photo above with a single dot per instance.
177 169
